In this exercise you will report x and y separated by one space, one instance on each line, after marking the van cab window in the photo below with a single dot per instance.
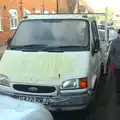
52 32
95 34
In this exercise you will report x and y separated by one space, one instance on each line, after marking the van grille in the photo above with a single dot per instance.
34 88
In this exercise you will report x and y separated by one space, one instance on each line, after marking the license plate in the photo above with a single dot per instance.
44 101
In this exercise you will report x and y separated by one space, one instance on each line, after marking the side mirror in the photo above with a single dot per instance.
97 44
92 51
9 41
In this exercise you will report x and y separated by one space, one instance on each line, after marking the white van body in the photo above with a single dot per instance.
24 74
13 109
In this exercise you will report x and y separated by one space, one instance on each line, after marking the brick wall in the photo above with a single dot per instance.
6 5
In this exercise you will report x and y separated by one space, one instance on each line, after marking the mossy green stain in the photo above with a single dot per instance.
41 65
48 65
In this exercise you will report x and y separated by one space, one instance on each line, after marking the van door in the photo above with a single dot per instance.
95 52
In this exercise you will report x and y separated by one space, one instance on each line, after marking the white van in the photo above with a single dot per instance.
54 60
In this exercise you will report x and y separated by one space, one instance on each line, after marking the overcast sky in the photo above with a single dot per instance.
98 4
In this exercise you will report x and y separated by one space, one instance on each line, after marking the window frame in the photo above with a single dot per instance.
13 19
95 34
1 28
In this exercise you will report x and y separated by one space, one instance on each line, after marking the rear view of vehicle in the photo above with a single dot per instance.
53 60
101 26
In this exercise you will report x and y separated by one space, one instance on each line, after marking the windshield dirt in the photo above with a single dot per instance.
51 32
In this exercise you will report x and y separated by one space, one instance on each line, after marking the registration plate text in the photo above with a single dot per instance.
35 99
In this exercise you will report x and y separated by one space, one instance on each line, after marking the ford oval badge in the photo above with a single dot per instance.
33 89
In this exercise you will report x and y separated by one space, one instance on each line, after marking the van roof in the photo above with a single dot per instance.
61 16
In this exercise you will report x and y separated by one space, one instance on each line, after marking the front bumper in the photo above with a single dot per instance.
61 102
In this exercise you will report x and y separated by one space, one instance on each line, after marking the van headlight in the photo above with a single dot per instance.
81 83
4 80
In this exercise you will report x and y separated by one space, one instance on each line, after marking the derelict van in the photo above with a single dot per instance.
54 60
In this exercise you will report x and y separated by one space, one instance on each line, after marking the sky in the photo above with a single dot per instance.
98 4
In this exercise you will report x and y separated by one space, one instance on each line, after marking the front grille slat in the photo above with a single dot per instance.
34 88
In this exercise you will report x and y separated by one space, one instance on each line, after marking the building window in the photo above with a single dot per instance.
37 12
53 12
46 12
13 19
26 12
1 25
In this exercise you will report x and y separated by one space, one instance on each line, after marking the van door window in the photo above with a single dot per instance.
95 35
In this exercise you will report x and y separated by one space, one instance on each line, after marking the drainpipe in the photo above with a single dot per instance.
57 6
43 7
21 8
77 6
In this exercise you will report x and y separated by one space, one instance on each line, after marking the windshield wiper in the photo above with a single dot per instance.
47 48
34 46
60 47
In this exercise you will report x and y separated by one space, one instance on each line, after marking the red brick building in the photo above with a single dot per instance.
6 26
10 8
12 11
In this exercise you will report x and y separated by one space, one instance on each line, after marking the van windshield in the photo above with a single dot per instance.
52 32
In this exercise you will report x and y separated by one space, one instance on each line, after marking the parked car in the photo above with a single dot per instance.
13 109
101 26
54 60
